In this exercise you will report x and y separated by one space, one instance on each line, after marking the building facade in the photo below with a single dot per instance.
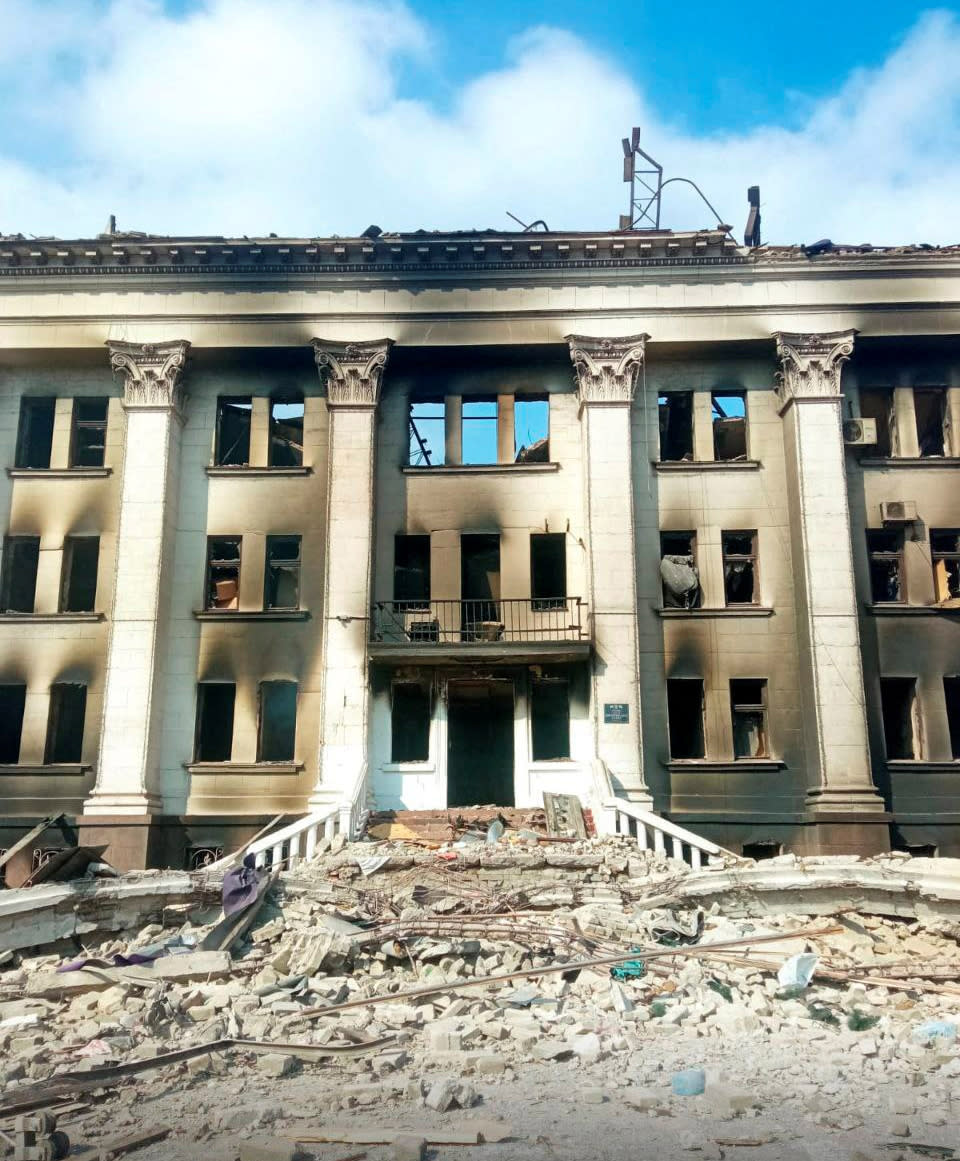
472 517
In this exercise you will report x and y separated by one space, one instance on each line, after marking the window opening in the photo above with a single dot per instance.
13 699
685 717
411 572
479 431
901 725
88 443
286 433
748 703
427 433
18 579
480 586
678 570
223 572
945 549
876 403
548 571
549 720
81 557
951 693
763 849
531 429
739 567
281 588
68 704
729 425
676 426
930 406
214 733
885 550
234 414
277 735
35 435
409 722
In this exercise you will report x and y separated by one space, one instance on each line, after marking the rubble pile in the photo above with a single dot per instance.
389 999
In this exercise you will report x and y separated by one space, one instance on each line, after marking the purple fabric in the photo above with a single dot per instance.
131 960
240 887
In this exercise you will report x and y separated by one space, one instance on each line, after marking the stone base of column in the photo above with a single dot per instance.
132 805
844 800
866 835
132 843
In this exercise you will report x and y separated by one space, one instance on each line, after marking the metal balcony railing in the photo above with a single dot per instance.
477 622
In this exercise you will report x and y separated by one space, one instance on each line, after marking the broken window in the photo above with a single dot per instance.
234 414
549 720
676 426
739 567
479 431
901 724
548 571
277 733
748 705
729 425
945 549
428 433
678 570
876 403
531 429
685 717
223 573
885 550
930 405
13 698
68 705
213 741
951 693
18 579
78 589
409 722
281 588
411 572
35 434
286 432
88 439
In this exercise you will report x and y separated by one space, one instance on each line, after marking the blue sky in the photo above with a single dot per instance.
320 116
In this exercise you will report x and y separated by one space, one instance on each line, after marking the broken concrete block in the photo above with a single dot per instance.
276 1064
409 1147
441 1095
551 1050
195 965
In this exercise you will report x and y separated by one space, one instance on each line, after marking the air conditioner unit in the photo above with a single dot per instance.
859 432
898 511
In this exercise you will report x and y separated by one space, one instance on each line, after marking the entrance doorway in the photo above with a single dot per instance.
480 743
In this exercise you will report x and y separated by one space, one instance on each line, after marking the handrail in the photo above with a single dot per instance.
453 621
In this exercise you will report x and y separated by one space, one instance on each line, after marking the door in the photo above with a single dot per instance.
480 743
480 587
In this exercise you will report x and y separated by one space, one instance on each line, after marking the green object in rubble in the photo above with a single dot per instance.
633 969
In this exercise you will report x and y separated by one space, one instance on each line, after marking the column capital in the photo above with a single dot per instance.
607 369
810 364
352 372
151 373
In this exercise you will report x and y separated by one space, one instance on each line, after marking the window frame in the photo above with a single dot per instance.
715 419
698 596
676 683
914 716
940 393
414 438
10 544
263 689
30 403
940 555
7 720
52 750
665 411
290 564
78 425
209 605
752 557
219 453
884 557
761 708
540 683
539 603
469 423
202 686
884 417
522 454
66 573
274 425
426 692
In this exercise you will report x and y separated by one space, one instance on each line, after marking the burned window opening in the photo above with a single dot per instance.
678 570
35 432
410 713
548 571
729 425
68 705
480 586
901 726
549 720
88 438
234 416
427 424
876 403
739 567
286 432
748 705
214 733
277 721
411 572
930 407
531 429
951 694
478 443
762 849
223 573
685 717
13 699
945 551
676 426
81 557
18 577
281 589
885 552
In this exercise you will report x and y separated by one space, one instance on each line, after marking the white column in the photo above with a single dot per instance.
833 703
352 374
607 372
153 402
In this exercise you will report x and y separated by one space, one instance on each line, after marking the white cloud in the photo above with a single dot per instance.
244 116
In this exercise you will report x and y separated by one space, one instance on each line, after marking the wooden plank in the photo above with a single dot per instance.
564 815
130 1142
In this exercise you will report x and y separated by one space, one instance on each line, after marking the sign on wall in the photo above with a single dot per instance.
615 713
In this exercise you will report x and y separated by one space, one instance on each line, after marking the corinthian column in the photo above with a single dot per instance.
153 402
352 374
833 704
607 371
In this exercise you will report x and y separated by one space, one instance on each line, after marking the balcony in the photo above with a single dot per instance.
520 629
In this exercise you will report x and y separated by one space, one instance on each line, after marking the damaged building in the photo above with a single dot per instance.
419 521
